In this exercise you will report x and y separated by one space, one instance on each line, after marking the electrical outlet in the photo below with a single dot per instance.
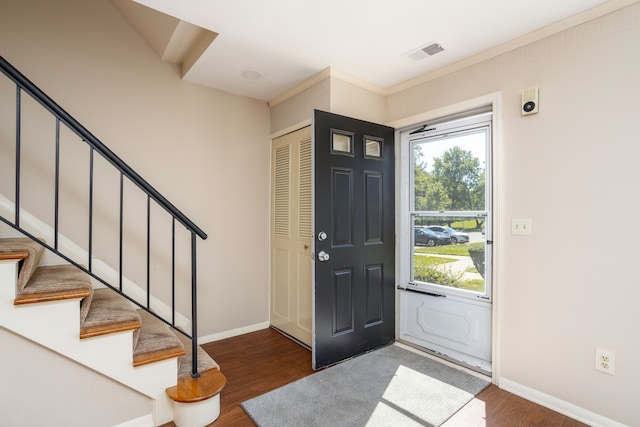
521 226
605 361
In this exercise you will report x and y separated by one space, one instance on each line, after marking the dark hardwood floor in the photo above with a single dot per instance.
262 361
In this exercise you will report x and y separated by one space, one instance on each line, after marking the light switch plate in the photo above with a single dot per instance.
521 226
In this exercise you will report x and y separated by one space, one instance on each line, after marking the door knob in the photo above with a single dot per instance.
323 256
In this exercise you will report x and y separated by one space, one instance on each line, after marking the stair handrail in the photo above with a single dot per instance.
23 83
94 142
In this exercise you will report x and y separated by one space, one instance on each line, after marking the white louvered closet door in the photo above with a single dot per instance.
291 234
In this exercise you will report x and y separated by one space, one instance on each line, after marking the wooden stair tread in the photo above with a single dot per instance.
109 312
189 390
155 341
157 355
17 254
53 283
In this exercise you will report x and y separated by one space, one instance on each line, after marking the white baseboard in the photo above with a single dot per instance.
145 421
233 332
558 405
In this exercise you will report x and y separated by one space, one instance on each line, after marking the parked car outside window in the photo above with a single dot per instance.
453 235
426 237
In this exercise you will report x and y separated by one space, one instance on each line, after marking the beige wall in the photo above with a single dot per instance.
58 391
333 94
299 108
349 99
572 285
204 150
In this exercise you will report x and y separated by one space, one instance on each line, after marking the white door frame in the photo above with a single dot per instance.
402 192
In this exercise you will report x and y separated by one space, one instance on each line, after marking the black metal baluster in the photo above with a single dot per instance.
148 251
194 310
90 208
173 271
18 137
121 207
57 187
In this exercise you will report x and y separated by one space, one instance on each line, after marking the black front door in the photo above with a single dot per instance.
354 224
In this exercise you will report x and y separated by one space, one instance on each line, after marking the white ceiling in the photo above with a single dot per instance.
287 41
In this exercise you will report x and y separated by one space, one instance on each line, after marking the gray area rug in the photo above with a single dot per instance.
387 387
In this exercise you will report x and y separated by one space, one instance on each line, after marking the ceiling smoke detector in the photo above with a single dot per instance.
251 74
425 51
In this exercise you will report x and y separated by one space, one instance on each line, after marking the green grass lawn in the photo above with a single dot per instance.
459 250
468 225
432 260
425 267
476 285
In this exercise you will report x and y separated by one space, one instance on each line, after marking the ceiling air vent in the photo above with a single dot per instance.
424 51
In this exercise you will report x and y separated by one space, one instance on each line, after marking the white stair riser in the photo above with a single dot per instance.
8 275
56 325
197 414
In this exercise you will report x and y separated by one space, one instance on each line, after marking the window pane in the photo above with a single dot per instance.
341 143
372 148
450 252
449 172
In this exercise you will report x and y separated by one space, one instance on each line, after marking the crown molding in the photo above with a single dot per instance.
547 31
306 84
544 32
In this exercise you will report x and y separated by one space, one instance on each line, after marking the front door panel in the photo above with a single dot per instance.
354 286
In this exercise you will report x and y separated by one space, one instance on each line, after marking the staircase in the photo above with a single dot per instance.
83 307
102 330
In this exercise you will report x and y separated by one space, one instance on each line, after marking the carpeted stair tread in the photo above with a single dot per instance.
30 263
154 341
109 312
205 362
189 390
56 282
